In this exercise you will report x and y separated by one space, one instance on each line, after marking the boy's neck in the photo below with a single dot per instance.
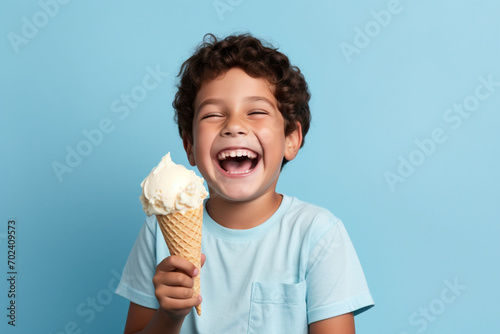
243 215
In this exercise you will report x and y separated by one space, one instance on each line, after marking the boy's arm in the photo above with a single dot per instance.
342 324
141 319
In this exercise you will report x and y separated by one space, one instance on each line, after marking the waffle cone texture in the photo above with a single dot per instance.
182 232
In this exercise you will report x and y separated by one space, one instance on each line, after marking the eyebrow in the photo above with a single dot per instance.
260 98
209 101
246 99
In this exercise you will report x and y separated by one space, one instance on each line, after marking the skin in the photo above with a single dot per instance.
233 111
238 111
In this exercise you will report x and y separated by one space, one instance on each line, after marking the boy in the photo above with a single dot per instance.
274 264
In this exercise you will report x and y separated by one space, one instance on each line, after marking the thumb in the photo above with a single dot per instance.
203 259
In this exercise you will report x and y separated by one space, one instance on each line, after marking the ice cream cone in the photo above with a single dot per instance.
175 195
182 232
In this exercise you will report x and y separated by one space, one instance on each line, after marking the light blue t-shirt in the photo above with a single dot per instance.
296 268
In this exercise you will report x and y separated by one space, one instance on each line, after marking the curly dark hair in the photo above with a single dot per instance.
214 57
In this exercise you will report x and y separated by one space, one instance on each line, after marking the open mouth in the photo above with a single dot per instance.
240 161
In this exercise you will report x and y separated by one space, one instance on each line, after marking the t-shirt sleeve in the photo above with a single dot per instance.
136 283
335 280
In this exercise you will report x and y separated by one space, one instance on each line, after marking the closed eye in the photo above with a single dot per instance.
258 112
211 116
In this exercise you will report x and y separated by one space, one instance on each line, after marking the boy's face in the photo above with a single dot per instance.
238 137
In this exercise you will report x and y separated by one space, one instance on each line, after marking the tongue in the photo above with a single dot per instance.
236 165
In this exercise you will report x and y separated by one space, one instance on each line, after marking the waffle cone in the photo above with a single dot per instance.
182 232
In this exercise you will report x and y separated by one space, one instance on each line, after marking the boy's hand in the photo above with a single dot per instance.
173 283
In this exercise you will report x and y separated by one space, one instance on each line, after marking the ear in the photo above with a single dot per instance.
188 147
293 142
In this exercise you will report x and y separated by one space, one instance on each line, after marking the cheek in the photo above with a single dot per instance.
202 137
202 148
273 133
266 135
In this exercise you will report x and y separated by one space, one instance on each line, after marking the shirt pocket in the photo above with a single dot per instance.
278 308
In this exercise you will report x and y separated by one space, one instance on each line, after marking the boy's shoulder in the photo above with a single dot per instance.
151 224
301 206
315 225
310 214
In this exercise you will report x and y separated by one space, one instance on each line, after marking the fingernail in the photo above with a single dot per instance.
195 272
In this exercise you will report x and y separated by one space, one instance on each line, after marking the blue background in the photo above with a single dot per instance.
436 226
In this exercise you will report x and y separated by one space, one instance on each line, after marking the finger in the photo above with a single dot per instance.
179 304
180 293
177 263
173 279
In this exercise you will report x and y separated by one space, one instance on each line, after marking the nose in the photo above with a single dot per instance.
234 127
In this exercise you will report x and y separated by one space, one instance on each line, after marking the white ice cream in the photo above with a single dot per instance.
171 188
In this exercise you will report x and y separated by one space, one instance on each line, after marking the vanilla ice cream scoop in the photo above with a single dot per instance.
171 188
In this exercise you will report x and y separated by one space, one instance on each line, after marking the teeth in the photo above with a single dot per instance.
237 153
247 171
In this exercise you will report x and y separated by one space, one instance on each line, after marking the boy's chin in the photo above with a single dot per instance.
234 196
